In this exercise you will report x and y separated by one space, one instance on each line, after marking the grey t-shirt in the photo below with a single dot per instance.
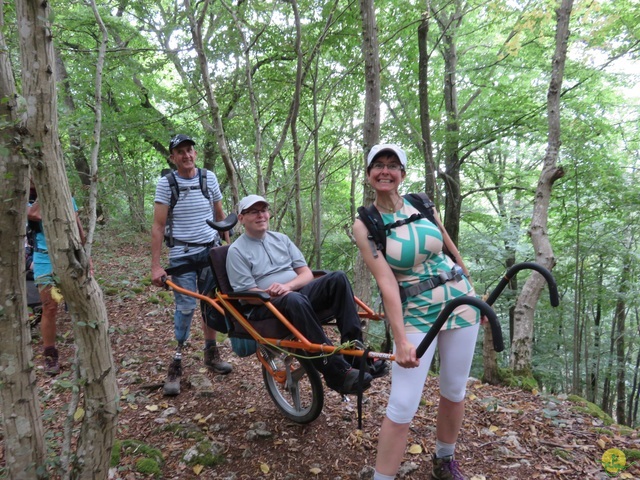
253 262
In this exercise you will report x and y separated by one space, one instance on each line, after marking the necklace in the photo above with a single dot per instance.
387 209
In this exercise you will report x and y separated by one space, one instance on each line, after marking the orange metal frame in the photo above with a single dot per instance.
223 304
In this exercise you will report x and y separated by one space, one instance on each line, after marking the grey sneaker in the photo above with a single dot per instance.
446 468
172 383
51 363
214 363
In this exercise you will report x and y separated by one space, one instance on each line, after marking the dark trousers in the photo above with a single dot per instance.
331 292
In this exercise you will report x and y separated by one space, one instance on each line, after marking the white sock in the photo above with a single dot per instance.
378 476
444 449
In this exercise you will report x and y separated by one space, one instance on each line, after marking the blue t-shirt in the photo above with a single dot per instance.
41 261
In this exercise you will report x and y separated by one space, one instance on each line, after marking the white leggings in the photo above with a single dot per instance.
456 354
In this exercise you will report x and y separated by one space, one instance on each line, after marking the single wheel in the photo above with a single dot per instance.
293 383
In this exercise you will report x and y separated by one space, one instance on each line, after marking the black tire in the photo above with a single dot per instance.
299 394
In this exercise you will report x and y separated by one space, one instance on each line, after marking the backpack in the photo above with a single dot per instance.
378 231
175 196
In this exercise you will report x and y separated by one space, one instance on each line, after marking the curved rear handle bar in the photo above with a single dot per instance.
485 310
225 224
553 287
485 307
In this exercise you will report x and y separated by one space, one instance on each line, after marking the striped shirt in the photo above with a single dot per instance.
191 211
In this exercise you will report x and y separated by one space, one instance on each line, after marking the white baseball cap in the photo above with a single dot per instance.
249 201
387 147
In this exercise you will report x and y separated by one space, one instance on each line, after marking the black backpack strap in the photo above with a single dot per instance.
423 203
202 174
372 219
175 191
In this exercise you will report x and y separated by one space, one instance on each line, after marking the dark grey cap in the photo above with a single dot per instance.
178 139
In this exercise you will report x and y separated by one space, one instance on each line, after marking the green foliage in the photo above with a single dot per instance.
525 382
148 466
590 408
204 455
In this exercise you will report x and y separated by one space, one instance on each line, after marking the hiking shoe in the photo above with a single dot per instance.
172 383
347 383
214 363
51 364
446 468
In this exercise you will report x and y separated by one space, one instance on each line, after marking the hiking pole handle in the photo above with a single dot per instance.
485 310
504 281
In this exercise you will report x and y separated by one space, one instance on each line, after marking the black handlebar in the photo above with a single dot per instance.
485 307
224 225
553 287
451 305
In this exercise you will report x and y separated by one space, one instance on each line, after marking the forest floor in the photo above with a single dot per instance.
507 433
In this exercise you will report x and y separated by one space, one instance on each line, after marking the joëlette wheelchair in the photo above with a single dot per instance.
293 383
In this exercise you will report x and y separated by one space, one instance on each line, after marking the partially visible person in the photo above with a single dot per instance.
415 258
45 280
189 240
261 259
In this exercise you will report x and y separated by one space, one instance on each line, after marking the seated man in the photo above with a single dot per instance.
264 260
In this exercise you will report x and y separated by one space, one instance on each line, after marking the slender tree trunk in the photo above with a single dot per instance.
451 174
297 155
68 257
97 128
371 123
525 306
423 94
620 332
24 448
212 103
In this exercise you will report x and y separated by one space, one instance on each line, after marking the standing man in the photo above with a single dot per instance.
181 222
261 259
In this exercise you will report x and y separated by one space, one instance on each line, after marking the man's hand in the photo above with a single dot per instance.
278 289
158 275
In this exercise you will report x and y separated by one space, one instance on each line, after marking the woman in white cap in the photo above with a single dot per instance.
414 259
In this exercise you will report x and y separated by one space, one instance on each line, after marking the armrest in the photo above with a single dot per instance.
264 296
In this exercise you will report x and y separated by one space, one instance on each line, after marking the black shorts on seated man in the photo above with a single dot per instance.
261 259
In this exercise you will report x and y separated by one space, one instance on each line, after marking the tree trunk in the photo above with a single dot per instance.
97 129
525 307
371 123
68 257
212 102
621 317
425 117
24 448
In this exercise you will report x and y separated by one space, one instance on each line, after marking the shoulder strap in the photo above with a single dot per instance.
378 231
173 186
423 203
202 173
372 219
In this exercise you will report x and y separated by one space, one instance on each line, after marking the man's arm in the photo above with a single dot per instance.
160 213
33 212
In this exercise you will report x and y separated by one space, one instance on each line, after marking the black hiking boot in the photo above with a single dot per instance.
51 363
214 362
172 383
